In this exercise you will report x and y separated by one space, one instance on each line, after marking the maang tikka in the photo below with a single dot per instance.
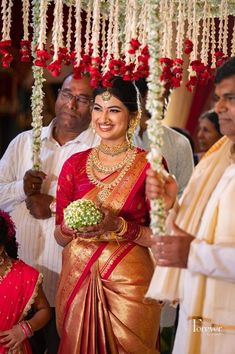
106 95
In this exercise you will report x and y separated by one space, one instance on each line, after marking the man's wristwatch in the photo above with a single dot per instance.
52 207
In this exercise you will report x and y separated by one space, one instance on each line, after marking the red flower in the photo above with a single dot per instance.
25 52
218 54
86 59
142 71
145 51
166 61
177 70
188 46
115 66
55 67
178 61
197 66
62 53
143 58
95 61
107 79
127 68
5 44
135 44
95 82
77 72
6 59
67 59
220 58
42 57
191 83
136 76
73 55
175 82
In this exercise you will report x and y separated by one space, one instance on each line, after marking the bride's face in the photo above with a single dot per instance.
110 119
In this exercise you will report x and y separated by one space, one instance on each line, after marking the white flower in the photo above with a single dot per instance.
82 212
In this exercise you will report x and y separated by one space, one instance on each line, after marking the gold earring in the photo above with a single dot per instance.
93 127
134 122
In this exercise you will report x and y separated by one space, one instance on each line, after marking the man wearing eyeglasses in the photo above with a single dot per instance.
29 195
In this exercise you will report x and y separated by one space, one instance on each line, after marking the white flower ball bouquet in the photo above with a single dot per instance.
82 212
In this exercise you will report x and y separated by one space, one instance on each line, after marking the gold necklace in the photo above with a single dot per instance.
97 164
8 266
113 150
108 186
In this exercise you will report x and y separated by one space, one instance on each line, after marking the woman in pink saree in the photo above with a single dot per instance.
20 288
107 268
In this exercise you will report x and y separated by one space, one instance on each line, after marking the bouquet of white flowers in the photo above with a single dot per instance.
82 212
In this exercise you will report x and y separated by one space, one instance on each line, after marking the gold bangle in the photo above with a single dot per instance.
64 236
123 228
139 234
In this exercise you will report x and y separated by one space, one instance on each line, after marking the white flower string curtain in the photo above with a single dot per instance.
133 39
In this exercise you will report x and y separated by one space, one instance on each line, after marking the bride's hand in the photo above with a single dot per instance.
110 222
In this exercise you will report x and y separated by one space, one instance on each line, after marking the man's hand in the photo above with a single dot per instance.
12 338
33 182
39 205
172 251
159 185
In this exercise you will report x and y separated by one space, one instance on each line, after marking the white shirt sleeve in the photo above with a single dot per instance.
216 261
11 185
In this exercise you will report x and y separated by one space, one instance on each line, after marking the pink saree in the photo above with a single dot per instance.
100 300
17 293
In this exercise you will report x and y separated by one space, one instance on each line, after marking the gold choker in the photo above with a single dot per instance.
113 150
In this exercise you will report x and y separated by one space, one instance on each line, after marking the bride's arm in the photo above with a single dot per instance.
61 237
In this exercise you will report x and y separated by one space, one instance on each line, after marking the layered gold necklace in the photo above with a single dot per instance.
93 163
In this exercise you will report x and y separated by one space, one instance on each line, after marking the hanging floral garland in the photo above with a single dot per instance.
5 43
25 52
155 107
37 89
57 47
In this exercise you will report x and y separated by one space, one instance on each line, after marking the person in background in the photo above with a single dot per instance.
30 195
107 268
20 288
208 132
202 239
186 133
176 148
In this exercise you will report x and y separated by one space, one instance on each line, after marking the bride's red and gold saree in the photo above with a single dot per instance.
100 300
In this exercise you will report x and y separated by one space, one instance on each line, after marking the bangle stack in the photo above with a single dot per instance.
26 328
128 230
63 234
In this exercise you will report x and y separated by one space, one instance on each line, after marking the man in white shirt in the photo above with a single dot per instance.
28 195
176 148
203 237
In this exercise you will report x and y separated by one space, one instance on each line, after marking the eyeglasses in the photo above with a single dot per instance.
80 99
